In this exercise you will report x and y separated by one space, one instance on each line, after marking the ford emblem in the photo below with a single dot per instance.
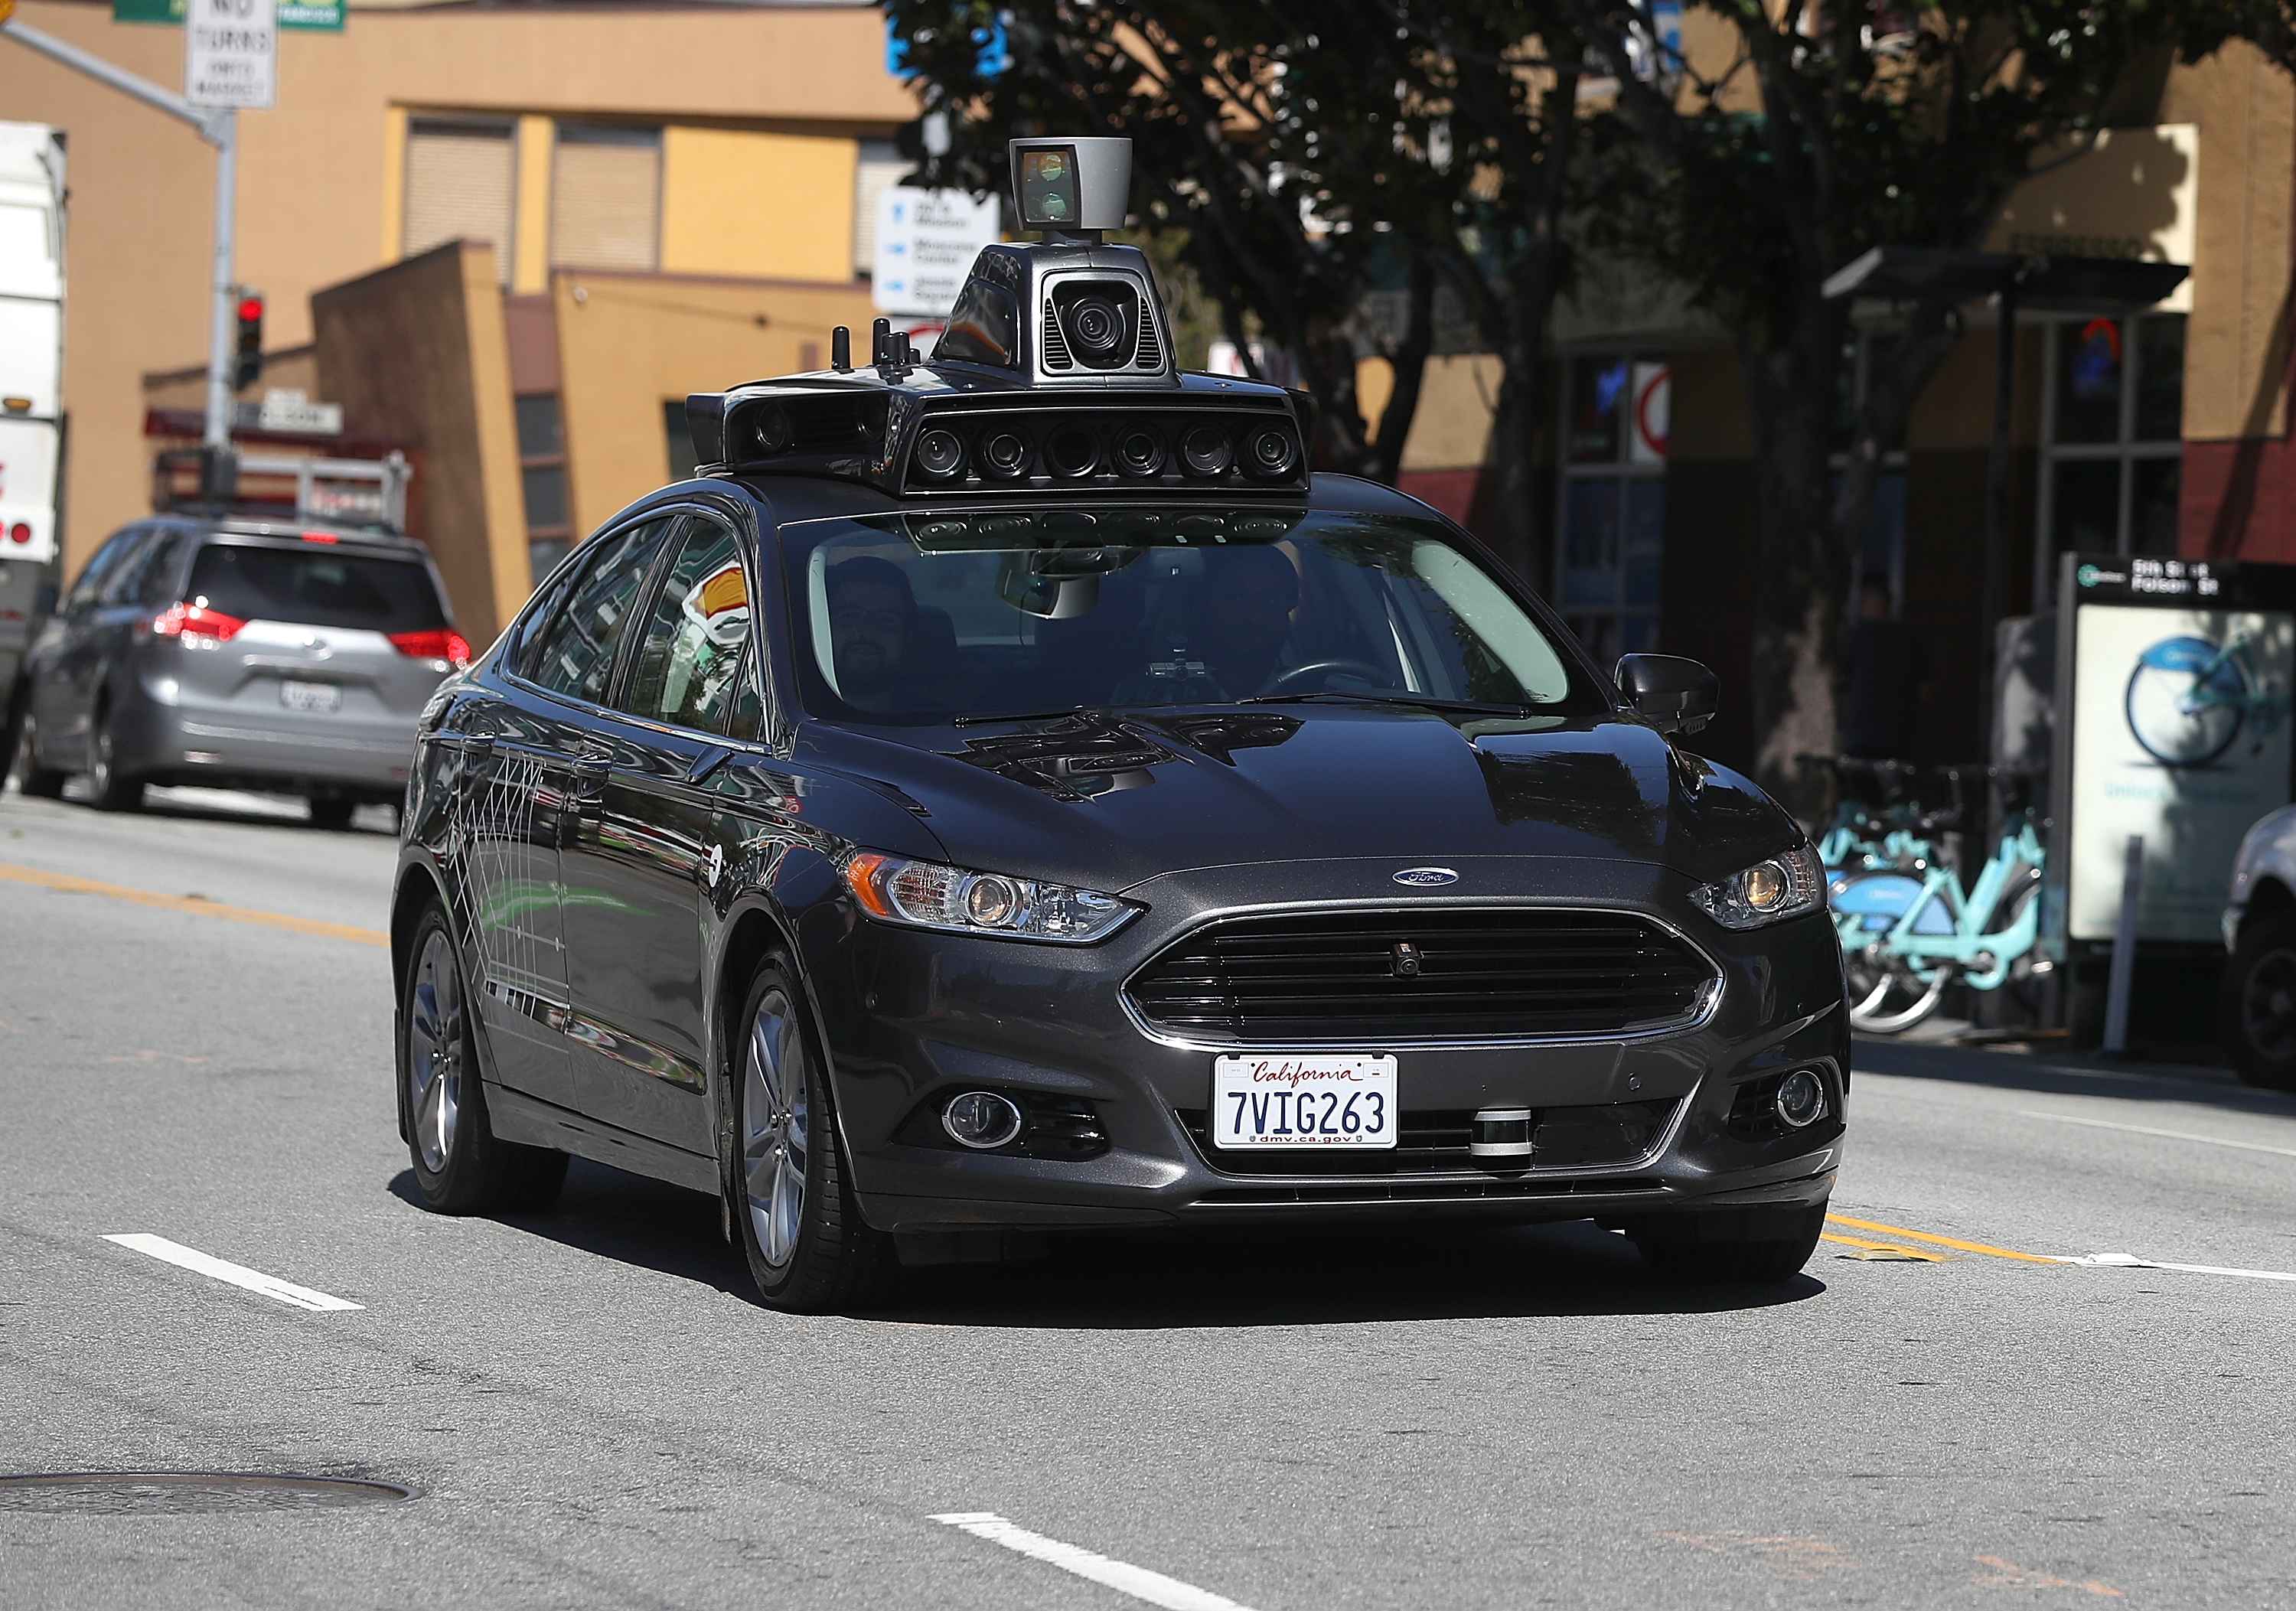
1426 878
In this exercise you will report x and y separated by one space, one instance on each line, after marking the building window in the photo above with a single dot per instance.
605 197
542 472
2111 420
1613 495
679 435
462 185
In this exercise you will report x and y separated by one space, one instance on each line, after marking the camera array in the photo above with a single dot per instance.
952 453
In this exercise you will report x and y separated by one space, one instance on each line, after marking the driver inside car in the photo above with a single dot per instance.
1246 616
872 617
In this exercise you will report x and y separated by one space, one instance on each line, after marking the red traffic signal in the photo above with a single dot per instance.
249 363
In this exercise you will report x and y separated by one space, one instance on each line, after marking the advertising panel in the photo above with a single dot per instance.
2173 688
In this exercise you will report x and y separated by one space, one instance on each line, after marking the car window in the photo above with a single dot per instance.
316 585
690 658
917 618
116 548
149 575
569 648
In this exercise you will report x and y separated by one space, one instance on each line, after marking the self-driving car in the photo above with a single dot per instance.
1009 794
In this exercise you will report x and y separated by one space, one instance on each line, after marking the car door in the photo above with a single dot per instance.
517 805
65 691
651 852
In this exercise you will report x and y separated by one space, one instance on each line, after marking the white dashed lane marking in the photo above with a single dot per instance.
1137 1582
2129 1261
2172 1135
223 1269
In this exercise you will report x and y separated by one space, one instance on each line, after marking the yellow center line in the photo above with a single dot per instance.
1923 1236
1911 1253
184 903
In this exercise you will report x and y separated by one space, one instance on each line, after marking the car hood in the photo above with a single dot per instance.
1108 801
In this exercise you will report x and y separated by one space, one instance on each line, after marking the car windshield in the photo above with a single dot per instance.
315 585
929 618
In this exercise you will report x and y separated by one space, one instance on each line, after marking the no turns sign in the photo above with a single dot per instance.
231 53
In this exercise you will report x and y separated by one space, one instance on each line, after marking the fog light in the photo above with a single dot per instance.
1500 1132
981 1120
1800 1101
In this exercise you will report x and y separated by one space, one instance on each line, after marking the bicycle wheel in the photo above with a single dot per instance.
1887 996
2184 706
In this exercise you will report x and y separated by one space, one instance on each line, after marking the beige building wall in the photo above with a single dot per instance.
745 201
320 174
627 344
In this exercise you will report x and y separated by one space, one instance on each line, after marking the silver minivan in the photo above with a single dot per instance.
237 654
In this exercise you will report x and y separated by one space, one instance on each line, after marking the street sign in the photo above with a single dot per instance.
926 241
231 53
320 15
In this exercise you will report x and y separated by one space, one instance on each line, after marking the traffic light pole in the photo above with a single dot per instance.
220 130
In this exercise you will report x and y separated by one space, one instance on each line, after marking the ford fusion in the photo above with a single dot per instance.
975 807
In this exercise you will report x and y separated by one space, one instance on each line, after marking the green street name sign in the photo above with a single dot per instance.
322 14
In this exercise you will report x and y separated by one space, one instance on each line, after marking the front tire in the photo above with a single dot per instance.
1682 1248
459 1168
793 1214
2256 1003
332 814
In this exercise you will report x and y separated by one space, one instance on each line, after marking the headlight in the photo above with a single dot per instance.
932 896
1768 892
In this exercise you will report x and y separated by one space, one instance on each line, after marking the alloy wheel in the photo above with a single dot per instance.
775 1129
435 1039
2267 1006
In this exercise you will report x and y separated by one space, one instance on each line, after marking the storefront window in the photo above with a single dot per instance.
1613 514
2111 453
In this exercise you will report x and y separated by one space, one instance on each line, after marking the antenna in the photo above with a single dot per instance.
881 332
841 350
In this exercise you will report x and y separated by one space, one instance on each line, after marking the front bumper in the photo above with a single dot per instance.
913 1018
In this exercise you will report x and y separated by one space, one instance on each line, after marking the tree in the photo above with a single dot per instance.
1825 131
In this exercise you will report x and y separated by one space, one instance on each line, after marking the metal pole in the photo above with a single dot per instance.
97 68
2124 950
1997 509
217 435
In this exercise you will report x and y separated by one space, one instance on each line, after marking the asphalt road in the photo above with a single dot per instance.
591 1412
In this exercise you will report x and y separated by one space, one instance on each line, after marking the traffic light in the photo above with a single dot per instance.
250 341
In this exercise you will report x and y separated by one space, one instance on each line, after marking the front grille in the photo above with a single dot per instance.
1435 1140
1365 979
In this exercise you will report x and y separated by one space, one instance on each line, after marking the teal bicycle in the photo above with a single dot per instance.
1910 930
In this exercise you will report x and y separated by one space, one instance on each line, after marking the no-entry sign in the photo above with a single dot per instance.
231 53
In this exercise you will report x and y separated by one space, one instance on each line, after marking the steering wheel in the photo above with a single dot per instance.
1326 668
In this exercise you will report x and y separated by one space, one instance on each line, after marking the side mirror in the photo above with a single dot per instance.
1677 696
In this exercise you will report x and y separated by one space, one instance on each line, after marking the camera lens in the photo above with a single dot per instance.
941 454
1096 327
1141 452
774 428
1005 453
1072 451
1271 452
1207 451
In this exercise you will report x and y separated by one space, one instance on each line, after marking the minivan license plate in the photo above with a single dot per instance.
311 696
1344 1100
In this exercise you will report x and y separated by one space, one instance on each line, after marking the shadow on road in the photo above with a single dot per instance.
2010 1071
1124 1281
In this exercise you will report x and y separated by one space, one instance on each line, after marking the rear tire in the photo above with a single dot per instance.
460 1167
330 815
107 789
1671 1249
809 1249
44 783
2256 1005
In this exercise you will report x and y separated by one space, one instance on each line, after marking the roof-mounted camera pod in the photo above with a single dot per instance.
1055 374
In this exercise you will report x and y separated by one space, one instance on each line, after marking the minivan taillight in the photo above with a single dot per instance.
440 643
195 621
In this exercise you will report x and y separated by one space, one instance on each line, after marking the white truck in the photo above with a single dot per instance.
31 385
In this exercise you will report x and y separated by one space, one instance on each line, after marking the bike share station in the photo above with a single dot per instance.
2173 682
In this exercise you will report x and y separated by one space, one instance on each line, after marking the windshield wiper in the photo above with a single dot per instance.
971 720
1428 702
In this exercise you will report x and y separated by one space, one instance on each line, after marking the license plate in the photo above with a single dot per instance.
311 696
1303 1101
